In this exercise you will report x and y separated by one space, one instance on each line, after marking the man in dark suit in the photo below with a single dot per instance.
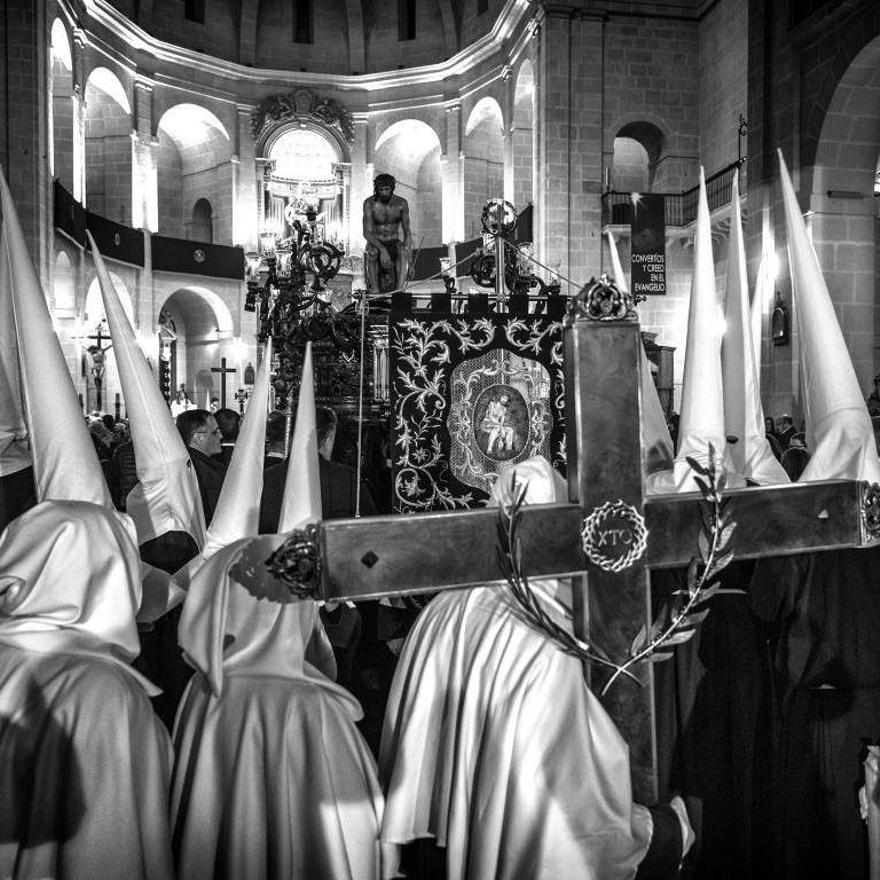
202 437
228 421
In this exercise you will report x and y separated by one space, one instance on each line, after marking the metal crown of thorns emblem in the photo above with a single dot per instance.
614 536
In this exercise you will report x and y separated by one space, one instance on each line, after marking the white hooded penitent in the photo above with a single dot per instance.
166 497
840 438
750 453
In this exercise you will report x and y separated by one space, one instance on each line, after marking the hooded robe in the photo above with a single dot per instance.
84 762
494 745
272 778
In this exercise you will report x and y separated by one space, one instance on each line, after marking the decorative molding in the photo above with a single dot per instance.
600 300
303 105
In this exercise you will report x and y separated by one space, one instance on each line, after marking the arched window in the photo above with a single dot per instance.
201 226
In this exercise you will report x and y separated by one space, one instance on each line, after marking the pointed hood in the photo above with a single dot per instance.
302 491
237 514
616 266
656 440
167 497
702 405
238 619
840 438
66 466
14 452
750 455
763 286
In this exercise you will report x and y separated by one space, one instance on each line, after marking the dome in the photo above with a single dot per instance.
319 36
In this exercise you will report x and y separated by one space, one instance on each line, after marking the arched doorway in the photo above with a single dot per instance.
483 161
410 151
195 343
303 181
102 386
201 225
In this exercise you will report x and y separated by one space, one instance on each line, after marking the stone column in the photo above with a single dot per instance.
245 203
79 116
360 184
144 175
569 75
452 177
508 130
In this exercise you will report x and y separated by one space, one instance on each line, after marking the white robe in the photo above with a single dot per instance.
84 762
272 778
494 745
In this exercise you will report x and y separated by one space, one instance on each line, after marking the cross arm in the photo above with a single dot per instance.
771 521
396 555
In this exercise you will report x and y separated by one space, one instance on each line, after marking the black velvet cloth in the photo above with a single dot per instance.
824 614
161 659
210 473
17 494
714 722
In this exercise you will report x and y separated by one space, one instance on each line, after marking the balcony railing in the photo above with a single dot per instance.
680 208
125 243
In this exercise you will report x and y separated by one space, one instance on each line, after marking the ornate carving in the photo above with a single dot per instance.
302 105
600 300
297 563
871 510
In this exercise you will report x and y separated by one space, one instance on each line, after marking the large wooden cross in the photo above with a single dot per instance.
396 555
223 370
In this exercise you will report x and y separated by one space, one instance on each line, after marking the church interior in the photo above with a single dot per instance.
219 164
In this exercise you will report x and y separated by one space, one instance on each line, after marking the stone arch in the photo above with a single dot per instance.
638 147
192 163
847 158
108 127
483 164
93 316
203 330
387 124
410 150
62 107
524 135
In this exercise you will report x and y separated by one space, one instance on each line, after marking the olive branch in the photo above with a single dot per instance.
677 620
510 561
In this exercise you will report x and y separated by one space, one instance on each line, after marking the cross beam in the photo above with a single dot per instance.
395 555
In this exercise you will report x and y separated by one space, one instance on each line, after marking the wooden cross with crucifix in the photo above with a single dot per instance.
223 370
396 555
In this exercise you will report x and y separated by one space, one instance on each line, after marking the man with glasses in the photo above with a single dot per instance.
202 436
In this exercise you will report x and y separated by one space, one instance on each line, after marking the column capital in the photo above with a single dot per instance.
360 118
141 83
452 106
235 159
506 72
80 37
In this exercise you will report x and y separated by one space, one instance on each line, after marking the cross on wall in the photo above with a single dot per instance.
223 370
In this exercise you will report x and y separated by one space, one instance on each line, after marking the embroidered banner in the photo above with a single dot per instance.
471 397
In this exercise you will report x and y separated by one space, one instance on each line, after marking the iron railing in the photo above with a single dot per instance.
680 208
